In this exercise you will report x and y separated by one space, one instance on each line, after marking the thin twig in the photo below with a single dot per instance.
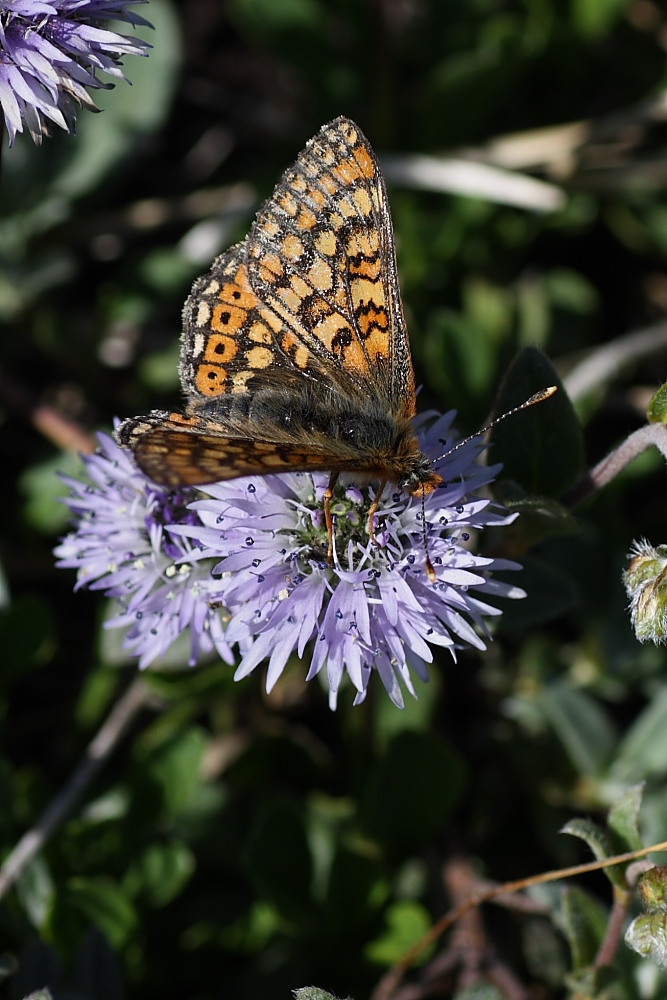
616 460
389 983
136 697
64 432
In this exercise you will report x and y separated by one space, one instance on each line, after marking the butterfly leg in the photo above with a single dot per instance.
328 519
373 511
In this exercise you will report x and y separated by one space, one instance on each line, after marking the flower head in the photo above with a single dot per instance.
122 545
375 608
258 547
50 51
645 582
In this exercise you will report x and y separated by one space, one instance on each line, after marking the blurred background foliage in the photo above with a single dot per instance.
242 845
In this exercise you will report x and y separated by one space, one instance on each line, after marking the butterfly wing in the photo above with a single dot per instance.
299 326
321 254
313 291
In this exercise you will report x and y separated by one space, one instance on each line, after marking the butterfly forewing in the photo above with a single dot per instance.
294 350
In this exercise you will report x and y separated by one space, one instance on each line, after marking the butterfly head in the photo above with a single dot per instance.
420 479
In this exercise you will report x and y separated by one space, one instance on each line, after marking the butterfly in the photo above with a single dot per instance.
294 353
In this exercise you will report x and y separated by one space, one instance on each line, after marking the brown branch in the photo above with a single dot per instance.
126 709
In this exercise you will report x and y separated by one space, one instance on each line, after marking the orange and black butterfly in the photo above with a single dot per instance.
295 354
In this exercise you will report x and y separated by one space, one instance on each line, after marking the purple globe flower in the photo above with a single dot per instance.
258 546
122 545
50 51
375 608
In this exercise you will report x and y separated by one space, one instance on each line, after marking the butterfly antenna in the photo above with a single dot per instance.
537 397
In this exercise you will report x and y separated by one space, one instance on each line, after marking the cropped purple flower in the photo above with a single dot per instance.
51 50
122 545
375 609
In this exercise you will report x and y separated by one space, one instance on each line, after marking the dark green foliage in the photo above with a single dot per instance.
240 845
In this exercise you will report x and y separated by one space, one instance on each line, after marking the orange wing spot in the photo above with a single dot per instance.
367 243
321 276
347 172
307 219
288 203
210 379
273 458
317 197
365 161
373 317
327 244
299 286
238 293
289 340
363 201
336 220
260 334
178 418
329 184
271 265
271 228
228 319
290 298
301 356
370 269
220 348
377 344
259 357
347 208
271 318
354 357
292 247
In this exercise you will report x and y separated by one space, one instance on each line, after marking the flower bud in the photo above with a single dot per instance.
645 582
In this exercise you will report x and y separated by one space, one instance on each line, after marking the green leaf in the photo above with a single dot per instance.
643 750
36 891
129 109
356 887
593 18
400 807
27 637
542 447
277 860
657 408
540 517
585 730
592 834
161 872
623 819
407 923
105 905
550 593
599 842
175 767
584 922
44 490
